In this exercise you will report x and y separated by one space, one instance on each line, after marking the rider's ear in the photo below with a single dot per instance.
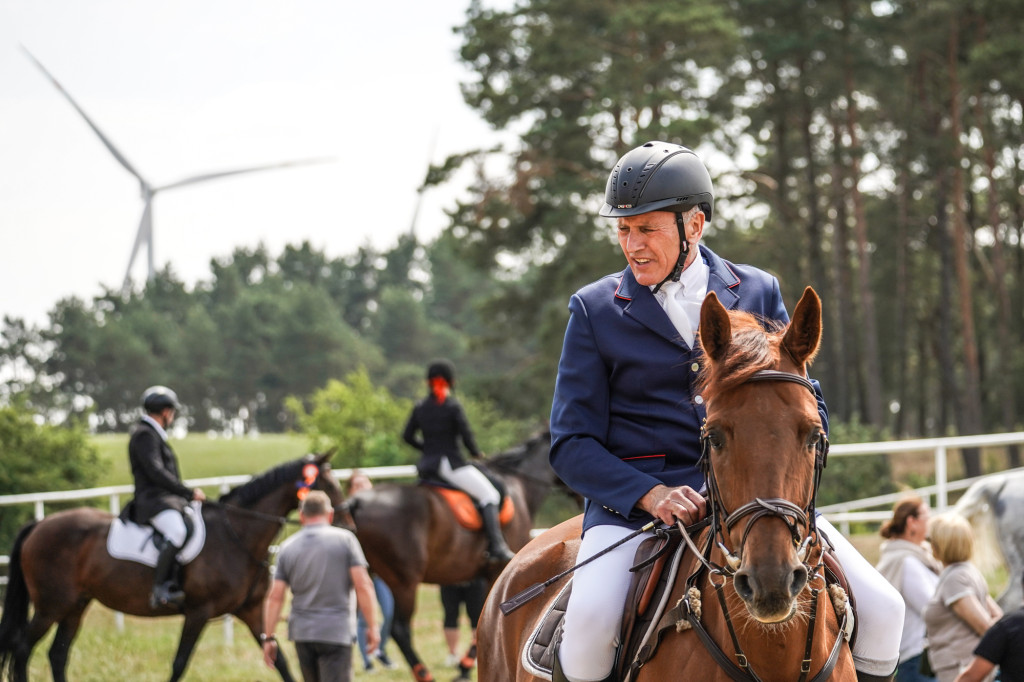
804 332
715 328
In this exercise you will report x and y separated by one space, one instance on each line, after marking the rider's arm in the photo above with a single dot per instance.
411 428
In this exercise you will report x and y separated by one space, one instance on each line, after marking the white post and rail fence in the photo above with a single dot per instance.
872 510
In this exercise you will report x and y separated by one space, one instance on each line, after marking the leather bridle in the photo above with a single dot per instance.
794 517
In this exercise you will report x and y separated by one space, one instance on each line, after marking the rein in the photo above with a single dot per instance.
793 516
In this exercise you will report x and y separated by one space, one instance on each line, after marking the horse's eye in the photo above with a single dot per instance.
814 437
715 439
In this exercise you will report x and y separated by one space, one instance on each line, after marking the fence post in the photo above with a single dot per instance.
941 492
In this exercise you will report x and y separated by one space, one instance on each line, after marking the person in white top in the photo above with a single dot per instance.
907 563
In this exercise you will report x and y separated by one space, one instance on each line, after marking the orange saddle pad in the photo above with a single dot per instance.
465 510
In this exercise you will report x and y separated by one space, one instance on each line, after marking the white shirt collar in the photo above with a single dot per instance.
693 281
156 425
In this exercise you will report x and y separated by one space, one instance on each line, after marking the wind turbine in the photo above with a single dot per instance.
144 235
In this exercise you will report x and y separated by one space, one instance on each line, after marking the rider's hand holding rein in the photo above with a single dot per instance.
669 504
198 495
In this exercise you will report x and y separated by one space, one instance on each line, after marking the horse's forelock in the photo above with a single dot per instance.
751 349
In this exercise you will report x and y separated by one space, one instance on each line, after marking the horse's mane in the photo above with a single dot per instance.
256 488
755 346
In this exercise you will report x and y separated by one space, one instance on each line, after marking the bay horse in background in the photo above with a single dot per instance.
60 564
994 506
748 601
410 535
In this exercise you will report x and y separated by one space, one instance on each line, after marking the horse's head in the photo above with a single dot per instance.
763 449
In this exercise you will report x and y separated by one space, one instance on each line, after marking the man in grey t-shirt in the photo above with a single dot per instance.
324 566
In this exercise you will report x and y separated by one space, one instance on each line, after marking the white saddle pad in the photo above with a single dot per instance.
132 542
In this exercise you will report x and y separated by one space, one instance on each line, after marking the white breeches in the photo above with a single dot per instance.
471 481
590 631
594 612
171 526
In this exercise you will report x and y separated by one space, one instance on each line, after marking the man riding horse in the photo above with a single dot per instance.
626 416
160 494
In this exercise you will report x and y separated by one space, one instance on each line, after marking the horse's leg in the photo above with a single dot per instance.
195 621
67 628
401 632
252 616
36 630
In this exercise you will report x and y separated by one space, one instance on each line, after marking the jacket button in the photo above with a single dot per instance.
695 366
699 400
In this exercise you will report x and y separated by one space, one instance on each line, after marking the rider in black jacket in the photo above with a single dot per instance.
440 420
160 495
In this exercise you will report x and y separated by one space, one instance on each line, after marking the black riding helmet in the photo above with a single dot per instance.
660 176
156 398
443 369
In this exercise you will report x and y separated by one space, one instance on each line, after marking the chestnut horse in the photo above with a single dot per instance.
60 564
410 536
755 605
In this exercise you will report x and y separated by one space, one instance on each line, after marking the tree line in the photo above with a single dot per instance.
871 150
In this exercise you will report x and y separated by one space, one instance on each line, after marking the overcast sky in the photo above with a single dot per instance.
193 86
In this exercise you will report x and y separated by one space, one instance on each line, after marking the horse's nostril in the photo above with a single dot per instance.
799 580
741 582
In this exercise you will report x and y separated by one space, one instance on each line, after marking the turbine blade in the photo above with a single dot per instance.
103 138
142 235
239 171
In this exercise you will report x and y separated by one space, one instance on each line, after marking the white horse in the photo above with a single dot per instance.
994 506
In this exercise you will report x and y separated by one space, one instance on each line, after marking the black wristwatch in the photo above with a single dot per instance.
264 637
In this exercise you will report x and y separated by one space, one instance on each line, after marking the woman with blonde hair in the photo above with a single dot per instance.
961 609
907 563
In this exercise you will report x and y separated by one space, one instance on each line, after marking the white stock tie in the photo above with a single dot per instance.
676 312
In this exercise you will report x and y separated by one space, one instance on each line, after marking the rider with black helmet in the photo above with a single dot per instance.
436 425
626 416
160 495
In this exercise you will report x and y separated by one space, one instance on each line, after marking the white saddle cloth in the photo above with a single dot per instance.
132 542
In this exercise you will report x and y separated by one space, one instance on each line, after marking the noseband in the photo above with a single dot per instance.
791 514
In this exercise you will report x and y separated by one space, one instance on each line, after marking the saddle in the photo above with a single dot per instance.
464 508
131 541
647 616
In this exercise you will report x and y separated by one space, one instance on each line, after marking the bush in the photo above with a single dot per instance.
39 458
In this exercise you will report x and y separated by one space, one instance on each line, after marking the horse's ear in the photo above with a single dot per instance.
803 335
325 458
715 327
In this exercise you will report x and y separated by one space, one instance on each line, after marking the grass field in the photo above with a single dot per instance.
144 650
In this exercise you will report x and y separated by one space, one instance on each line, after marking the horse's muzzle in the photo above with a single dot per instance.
770 592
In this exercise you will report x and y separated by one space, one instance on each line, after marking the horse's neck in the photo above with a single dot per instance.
261 530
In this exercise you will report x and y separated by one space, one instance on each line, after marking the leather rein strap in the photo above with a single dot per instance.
793 516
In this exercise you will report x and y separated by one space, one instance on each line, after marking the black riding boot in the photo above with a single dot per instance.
497 549
165 591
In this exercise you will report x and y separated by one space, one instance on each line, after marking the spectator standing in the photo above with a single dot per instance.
1002 645
471 595
360 481
324 566
908 564
960 610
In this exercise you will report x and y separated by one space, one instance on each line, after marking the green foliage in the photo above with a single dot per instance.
39 458
363 421
854 478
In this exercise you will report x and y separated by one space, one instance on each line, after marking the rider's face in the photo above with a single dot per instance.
650 242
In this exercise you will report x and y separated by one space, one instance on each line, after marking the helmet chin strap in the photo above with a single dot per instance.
684 251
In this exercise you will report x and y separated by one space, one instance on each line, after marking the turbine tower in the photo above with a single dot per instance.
144 235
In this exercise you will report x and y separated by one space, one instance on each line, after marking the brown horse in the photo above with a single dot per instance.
755 606
410 536
60 564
